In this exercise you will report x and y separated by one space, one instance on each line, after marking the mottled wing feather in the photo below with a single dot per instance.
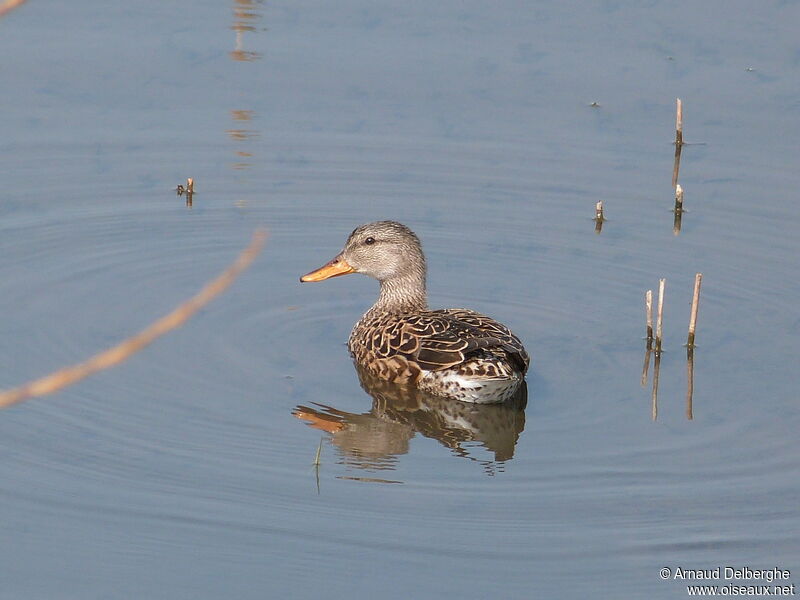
441 339
493 329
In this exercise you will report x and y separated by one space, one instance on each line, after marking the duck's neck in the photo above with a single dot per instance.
402 294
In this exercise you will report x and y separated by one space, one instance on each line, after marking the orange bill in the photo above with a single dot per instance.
338 266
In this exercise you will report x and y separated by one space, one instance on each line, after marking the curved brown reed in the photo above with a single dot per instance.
113 356
10 5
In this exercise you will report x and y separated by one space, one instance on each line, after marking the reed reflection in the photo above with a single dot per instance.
689 382
678 210
654 396
656 371
246 14
374 440
242 136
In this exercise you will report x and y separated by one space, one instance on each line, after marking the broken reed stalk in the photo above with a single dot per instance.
10 5
698 279
678 142
661 283
122 351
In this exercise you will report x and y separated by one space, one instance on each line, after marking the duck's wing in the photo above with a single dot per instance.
442 339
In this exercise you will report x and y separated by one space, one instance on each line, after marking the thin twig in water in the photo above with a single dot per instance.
113 356
316 462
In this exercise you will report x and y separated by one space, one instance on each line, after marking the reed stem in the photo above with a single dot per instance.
659 318
698 279
678 142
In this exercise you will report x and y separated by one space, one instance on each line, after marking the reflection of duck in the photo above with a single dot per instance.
373 440
456 353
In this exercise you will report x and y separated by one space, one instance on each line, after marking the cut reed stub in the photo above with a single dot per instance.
599 218
659 317
657 362
189 191
698 279
678 142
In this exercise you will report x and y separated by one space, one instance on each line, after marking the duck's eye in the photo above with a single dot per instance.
369 241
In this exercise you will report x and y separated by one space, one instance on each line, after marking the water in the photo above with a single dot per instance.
185 472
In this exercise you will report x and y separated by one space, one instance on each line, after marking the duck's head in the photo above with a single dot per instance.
385 250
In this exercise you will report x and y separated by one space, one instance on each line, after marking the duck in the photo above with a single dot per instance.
455 353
